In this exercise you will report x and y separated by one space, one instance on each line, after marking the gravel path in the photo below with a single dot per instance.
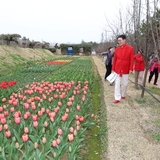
127 139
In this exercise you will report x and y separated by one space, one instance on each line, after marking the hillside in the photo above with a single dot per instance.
11 56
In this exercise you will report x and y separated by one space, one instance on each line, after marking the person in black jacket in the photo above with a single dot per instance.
108 61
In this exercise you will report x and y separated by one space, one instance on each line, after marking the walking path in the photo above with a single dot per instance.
127 139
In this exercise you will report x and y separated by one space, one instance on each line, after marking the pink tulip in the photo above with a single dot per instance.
64 118
34 107
44 140
17 120
3 120
25 137
5 126
60 132
35 145
1 127
78 128
4 106
69 103
54 143
59 104
26 130
51 119
56 109
58 141
8 133
71 129
12 109
1 115
26 105
15 103
78 107
35 124
3 99
17 145
40 113
1 109
45 124
67 110
75 132
25 116
70 137
34 117
6 113
52 114
77 122
28 113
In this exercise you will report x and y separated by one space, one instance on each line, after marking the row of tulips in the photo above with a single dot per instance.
44 120
6 84
60 61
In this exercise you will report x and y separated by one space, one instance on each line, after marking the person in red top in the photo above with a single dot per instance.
139 67
122 65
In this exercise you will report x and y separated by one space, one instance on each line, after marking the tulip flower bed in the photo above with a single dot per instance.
44 120
47 119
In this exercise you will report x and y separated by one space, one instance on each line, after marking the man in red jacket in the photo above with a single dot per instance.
122 65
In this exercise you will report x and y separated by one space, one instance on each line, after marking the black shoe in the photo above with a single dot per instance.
155 84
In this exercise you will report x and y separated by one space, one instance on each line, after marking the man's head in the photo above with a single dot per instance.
121 40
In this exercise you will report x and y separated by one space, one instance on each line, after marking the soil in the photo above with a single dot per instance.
131 122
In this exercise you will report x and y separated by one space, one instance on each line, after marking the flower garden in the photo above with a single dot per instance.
47 110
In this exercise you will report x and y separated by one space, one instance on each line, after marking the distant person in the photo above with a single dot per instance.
122 65
154 69
108 61
139 66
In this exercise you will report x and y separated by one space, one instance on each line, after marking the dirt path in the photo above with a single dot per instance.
127 139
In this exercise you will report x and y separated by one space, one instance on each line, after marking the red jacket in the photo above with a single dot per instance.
123 59
139 62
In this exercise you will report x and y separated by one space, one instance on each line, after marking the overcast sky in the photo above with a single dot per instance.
59 21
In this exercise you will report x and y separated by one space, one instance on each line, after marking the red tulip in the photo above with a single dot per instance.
81 118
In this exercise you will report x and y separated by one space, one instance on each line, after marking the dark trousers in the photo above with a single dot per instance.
154 72
108 70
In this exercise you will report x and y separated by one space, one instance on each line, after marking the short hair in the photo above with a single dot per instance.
123 36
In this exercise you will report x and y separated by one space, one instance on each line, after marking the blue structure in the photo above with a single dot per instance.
70 51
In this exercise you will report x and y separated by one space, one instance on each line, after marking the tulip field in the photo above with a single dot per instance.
46 110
